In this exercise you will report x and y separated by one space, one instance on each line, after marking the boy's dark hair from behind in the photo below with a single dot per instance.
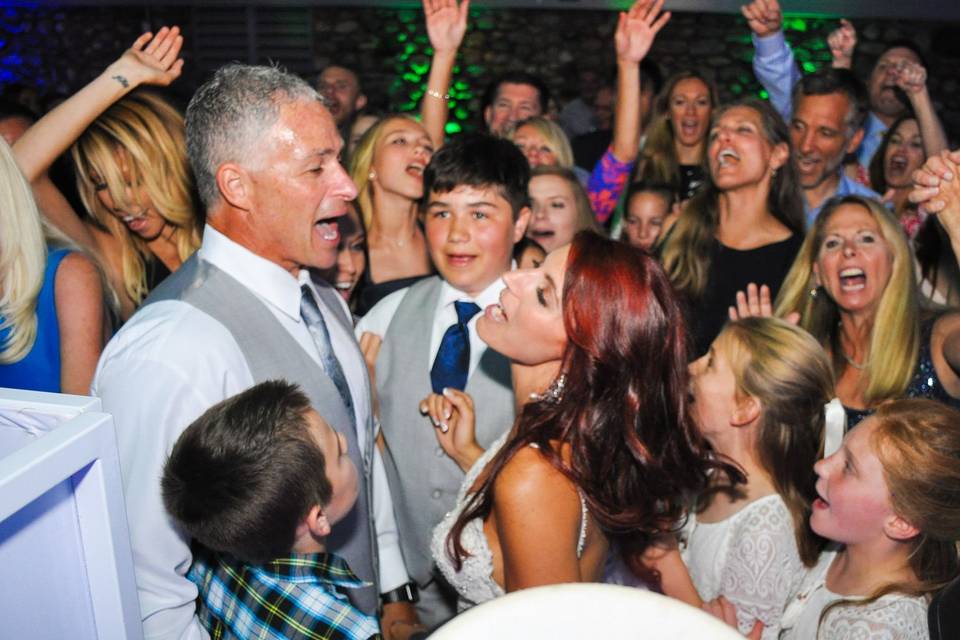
242 476
482 161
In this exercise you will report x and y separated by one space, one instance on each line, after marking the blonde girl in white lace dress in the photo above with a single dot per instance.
759 396
891 497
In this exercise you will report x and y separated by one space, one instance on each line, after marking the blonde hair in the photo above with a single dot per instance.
555 136
23 260
361 159
786 370
895 336
687 250
149 134
585 217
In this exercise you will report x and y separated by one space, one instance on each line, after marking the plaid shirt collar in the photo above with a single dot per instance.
309 568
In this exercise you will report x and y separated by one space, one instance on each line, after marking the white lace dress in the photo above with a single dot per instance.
892 617
474 581
750 558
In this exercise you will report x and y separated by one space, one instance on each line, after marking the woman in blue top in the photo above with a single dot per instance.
51 303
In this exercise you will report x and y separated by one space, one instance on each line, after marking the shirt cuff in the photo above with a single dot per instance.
770 46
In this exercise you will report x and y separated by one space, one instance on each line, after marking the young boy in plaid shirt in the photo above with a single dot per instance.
257 481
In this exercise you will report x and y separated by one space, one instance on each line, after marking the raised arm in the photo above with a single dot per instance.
912 78
446 26
773 63
636 31
151 60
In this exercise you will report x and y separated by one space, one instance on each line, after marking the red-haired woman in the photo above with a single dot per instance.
605 449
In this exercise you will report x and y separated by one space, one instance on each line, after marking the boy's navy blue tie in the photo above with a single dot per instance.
453 358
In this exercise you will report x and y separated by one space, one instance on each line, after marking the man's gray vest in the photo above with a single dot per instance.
424 481
273 354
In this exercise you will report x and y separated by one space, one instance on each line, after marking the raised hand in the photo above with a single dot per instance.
446 23
842 41
763 17
911 77
928 180
454 421
153 59
637 28
756 303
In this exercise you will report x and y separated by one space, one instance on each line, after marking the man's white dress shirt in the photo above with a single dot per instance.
166 366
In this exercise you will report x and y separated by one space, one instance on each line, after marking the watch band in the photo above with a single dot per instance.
404 593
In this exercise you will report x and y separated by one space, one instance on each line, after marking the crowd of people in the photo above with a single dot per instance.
365 377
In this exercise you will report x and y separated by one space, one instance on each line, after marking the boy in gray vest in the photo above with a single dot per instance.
258 480
475 207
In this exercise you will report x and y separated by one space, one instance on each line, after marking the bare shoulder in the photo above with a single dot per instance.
77 275
530 476
945 325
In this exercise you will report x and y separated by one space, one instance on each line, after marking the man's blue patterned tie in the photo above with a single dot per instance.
453 359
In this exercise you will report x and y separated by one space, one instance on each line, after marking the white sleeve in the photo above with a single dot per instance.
763 568
393 571
153 398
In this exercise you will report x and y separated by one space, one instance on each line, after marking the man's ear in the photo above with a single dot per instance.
520 226
855 140
360 102
897 528
746 411
488 116
235 185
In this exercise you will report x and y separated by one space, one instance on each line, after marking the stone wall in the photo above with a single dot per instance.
54 51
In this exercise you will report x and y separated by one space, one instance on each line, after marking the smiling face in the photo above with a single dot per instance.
854 502
514 102
821 137
298 189
903 156
341 472
554 219
885 97
714 388
535 147
401 154
644 218
690 111
739 153
351 258
527 324
470 234
854 262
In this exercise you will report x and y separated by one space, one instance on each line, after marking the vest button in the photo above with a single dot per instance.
437 493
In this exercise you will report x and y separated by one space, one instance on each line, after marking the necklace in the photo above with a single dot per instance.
860 366
554 392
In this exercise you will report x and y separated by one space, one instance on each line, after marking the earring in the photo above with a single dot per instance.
814 292
373 174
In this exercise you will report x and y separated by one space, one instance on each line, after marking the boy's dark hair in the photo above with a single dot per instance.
516 77
479 160
522 245
243 475
827 81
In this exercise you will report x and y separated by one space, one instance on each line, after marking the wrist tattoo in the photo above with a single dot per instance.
123 81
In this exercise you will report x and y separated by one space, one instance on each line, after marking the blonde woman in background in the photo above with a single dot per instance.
132 171
51 302
559 207
854 288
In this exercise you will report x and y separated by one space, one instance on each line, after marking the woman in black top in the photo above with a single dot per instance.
745 224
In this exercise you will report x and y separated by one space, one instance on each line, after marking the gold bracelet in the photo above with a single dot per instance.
433 93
